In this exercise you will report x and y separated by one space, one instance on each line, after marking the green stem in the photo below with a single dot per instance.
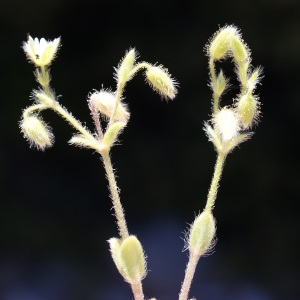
68 117
114 191
142 65
216 98
46 86
212 194
193 259
120 88
29 110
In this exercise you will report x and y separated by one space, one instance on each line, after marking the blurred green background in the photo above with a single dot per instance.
55 211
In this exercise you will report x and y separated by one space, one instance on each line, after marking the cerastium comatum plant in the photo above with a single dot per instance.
228 127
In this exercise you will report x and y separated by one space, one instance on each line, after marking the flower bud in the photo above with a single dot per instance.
161 81
105 102
220 43
125 67
247 108
226 123
239 50
202 233
129 258
36 132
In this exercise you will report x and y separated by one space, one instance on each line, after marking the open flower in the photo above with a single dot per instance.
41 52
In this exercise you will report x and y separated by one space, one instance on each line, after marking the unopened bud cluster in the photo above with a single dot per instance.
229 124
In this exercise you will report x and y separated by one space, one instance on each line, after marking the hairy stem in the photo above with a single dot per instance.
114 191
212 194
211 197
137 290
68 117
33 108
188 278
119 93
95 116
216 98
120 89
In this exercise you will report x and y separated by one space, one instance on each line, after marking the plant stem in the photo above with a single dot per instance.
216 98
212 194
211 197
114 191
119 93
189 274
137 290
33 108
95 116
68 117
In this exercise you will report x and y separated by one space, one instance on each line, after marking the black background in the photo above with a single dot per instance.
55 211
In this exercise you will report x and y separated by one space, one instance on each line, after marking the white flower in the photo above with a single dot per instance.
41 52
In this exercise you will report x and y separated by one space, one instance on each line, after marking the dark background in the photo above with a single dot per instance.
55 211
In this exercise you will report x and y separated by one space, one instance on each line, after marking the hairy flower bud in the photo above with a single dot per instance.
36 132
105 102
123 72
161 81
220 43
247 108
239 49
128 255
202 233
